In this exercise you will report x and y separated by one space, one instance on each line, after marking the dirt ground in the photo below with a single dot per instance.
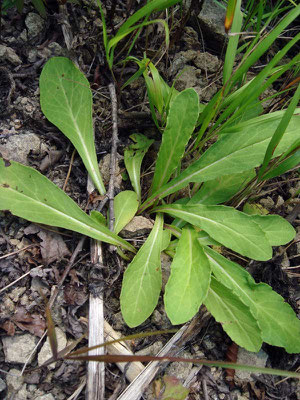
39 255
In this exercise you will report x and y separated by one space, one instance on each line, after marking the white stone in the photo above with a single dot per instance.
246 357
35 25
15 385
7 53
47 396
138 226
18 348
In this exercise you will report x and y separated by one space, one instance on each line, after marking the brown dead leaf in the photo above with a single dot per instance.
53 247
9 327
33 323
74 295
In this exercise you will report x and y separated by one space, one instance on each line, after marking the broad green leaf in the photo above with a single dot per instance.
125 207
235 317
276 319
241 148
277 229
66 101
30 195
133 157
189 280
231 227
181 121
142 279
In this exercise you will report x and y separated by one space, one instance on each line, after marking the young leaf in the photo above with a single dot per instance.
242 147
142 279
277 321
181 121
226 225
125 207
236 318
189 280
30 195
133 157
66 101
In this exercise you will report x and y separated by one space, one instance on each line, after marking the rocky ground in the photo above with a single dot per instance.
39 256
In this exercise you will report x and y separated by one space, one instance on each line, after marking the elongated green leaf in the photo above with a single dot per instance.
221 189
66 101
181 121
228 226
289 163
231 8
234 15
277 321
154 5
280 130
142 279
30 195
125 207
189 280
40 7
133 157
236 318
240 149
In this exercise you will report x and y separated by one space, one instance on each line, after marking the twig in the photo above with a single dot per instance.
204 388
69 170
21 277
67 270
18 251
113 154
65 26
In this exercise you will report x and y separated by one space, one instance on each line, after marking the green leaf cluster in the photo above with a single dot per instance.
188 228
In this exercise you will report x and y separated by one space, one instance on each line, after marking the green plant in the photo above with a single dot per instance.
249 312
130 26
38 5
